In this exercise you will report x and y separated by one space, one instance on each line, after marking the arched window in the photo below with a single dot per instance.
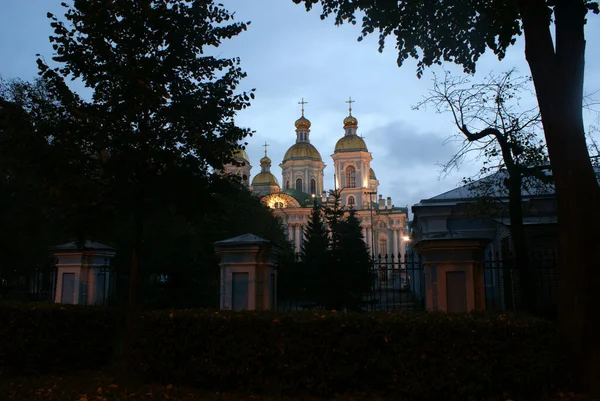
383 247
350 177
244 178
351 201
287 184
313 187
299 184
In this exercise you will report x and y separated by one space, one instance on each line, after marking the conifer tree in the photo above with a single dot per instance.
355 262
314 254
346 276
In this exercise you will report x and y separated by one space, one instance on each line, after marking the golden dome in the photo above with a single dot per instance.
372 174
302 150
350 121
302 123
350 143
265 160
240 154
264 179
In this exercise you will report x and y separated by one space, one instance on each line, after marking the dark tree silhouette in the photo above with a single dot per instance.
162 109
493 124
355 262
314 254
460 32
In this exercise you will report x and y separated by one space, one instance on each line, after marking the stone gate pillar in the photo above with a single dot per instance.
248 273
454 276
82 277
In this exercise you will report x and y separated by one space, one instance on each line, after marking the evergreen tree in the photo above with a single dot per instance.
346 276
331 293
354 261
314 255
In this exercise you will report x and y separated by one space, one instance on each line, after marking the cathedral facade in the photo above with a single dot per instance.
384 225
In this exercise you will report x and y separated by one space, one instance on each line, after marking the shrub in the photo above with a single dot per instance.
43 338
418 356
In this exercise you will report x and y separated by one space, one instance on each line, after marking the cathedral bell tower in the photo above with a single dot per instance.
352 164
302 166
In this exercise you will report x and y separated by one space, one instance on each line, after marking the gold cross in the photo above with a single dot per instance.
302 103
350 101
265 146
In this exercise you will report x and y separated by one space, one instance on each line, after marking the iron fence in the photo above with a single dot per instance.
503 289
36 284
397 283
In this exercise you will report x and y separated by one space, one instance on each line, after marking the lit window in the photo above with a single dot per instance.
350 177
299 184
313 187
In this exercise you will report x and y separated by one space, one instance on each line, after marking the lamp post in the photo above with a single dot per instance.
371 193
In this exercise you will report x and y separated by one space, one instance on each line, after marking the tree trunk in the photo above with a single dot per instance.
521 256
558 80
134 283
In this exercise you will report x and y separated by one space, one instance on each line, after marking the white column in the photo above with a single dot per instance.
395 247
298 238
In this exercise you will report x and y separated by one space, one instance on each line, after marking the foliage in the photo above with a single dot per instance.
180 250
115 385
176 244
314 255
160 121
418 356
39 338
356 278
29 222
335 266
554 36
458 32
494 124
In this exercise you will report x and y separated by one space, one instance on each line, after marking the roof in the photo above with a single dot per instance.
72 246
372 175
302 151
264 178
243 239
493 186
490 186
350 143
531 220
303 198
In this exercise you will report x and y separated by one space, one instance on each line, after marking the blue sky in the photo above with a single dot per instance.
290 54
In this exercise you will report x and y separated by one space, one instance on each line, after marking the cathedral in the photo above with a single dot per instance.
384 225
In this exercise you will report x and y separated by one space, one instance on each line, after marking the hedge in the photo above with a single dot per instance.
48 338
415 356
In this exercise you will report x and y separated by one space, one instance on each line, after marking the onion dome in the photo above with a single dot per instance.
302 123
351 143
302 151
